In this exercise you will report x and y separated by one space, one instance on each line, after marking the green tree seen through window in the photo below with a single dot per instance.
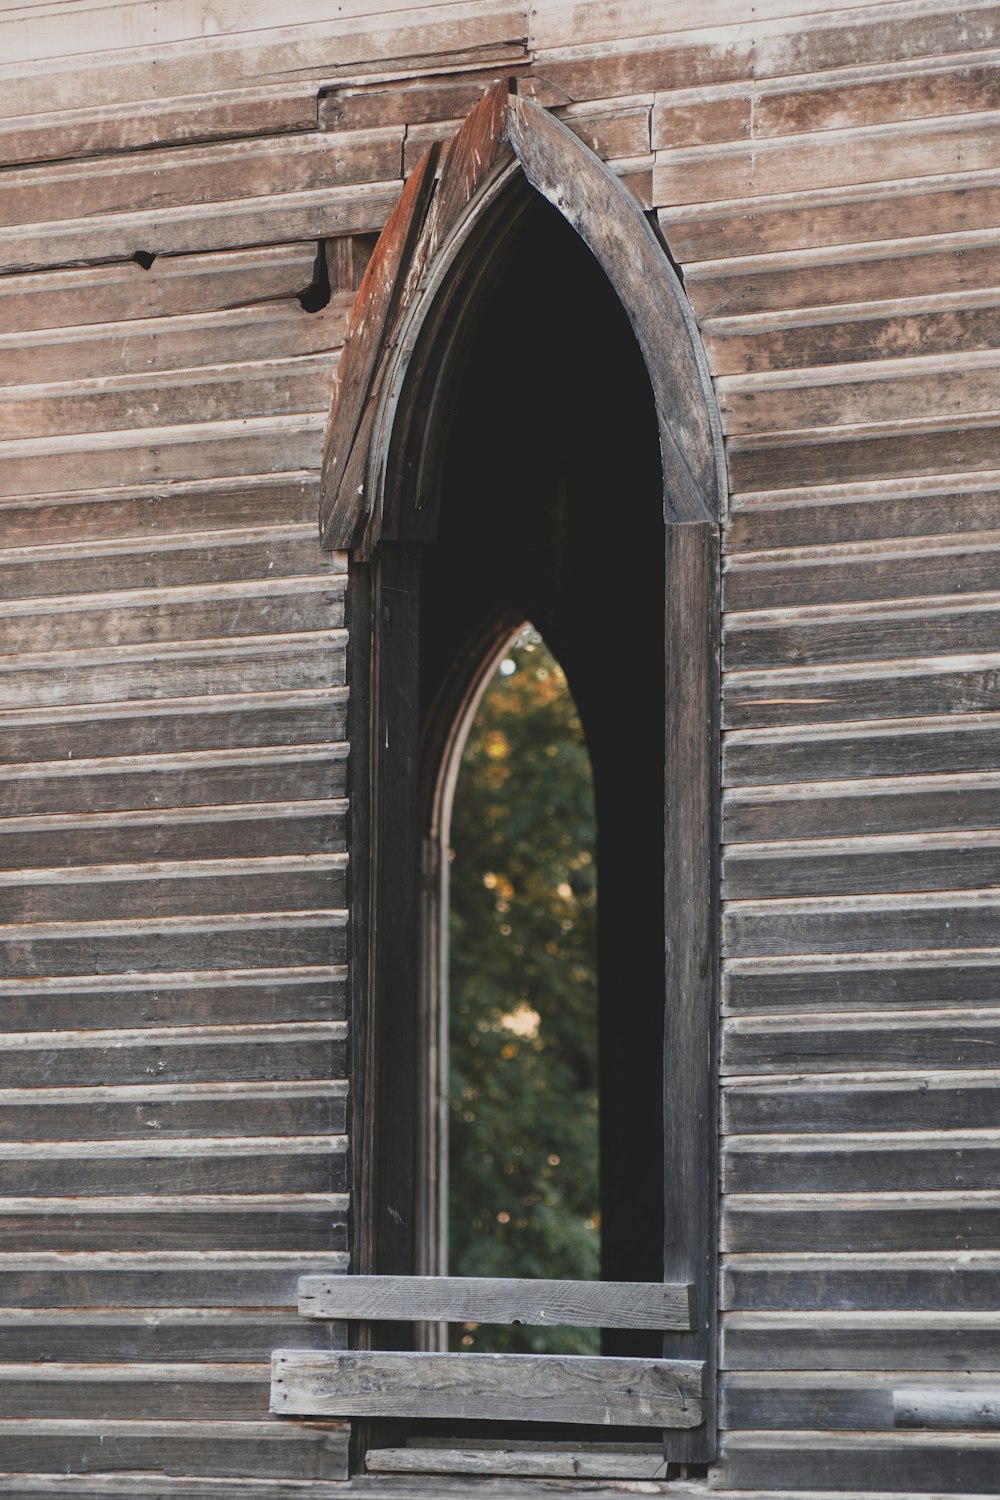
523 1146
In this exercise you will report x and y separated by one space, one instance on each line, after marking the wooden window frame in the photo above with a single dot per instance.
435 251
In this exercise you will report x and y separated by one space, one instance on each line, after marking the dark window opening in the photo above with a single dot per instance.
550 510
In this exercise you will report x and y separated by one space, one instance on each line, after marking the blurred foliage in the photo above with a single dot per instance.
523 1009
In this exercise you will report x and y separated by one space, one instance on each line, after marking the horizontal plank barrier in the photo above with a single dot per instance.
495 1387
456 1299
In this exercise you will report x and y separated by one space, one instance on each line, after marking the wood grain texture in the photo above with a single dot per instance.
829 158
920 1101
171 286
901 747
152 510
51 1281
623 1461
492 1300
833 1400
190 229
877 511
255 389
965 1407
856 1161
691 876
526 1387
294 1108
839 924
888 982
895 1281
893 630
233 1449
260 1222
80 133
876 1041
281 329
919 862
900 1463
860 1223
351 47
185 176
819 276
834 101
904 327
181 833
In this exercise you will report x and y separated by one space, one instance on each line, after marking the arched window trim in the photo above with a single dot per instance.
433 254
430 259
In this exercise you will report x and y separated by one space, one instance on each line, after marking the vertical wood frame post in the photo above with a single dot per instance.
691 841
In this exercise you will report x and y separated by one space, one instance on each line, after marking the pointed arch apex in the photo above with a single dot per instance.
442 202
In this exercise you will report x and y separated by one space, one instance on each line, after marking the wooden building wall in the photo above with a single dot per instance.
175 177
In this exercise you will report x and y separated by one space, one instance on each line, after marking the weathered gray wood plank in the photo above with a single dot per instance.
938 1406
234 1221
804 516
133 1391
196 1054
867 1042
211 1448
949 745
934 1281
933 445
929 1101
520 1387
908 569
864 982
50 1284
838 924
233 554
886 1161
171 286
691 926
588 1461
242 503
873 807
176 1167
870 1340
110 1112
240 829
904 1463
790 1223
587 1304
920 862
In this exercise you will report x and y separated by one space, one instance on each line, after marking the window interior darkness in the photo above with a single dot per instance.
550 511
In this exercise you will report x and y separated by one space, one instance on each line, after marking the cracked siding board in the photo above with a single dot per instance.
185 176
65 301
83 133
